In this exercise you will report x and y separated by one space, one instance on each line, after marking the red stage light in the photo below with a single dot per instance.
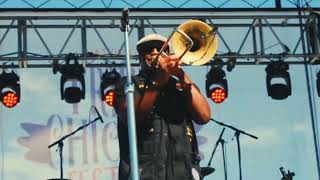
109 80
109 97
10 99
218 95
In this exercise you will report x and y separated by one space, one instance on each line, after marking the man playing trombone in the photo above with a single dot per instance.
167 102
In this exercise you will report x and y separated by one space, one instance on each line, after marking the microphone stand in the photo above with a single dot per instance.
129 90
237 135
60 143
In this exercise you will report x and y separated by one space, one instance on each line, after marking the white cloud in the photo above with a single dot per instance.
16 167
301 127
35 81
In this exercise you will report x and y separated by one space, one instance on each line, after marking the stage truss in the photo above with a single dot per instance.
173 4
252 37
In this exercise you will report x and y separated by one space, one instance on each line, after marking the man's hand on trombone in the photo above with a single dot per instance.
164 66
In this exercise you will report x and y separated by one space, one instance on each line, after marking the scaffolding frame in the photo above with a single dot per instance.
26 24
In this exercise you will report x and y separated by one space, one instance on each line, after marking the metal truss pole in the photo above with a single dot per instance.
311 107
258 51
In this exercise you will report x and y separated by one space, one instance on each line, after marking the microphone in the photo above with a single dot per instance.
124 20
99 116
125 13
205 171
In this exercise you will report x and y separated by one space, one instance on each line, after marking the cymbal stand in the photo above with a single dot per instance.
222 142
223 145
215 147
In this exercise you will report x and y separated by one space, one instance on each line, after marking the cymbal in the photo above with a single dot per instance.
205 171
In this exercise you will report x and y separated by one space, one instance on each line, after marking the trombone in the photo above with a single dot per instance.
195 40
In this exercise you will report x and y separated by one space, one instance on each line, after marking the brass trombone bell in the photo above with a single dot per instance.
196 41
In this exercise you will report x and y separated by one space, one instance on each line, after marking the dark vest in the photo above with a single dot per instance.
167 144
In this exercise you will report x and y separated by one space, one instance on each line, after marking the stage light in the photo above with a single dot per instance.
218 95
10 89
107 86
278 80
109 97
72 84
216 83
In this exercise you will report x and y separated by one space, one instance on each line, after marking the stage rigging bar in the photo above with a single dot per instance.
261 26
